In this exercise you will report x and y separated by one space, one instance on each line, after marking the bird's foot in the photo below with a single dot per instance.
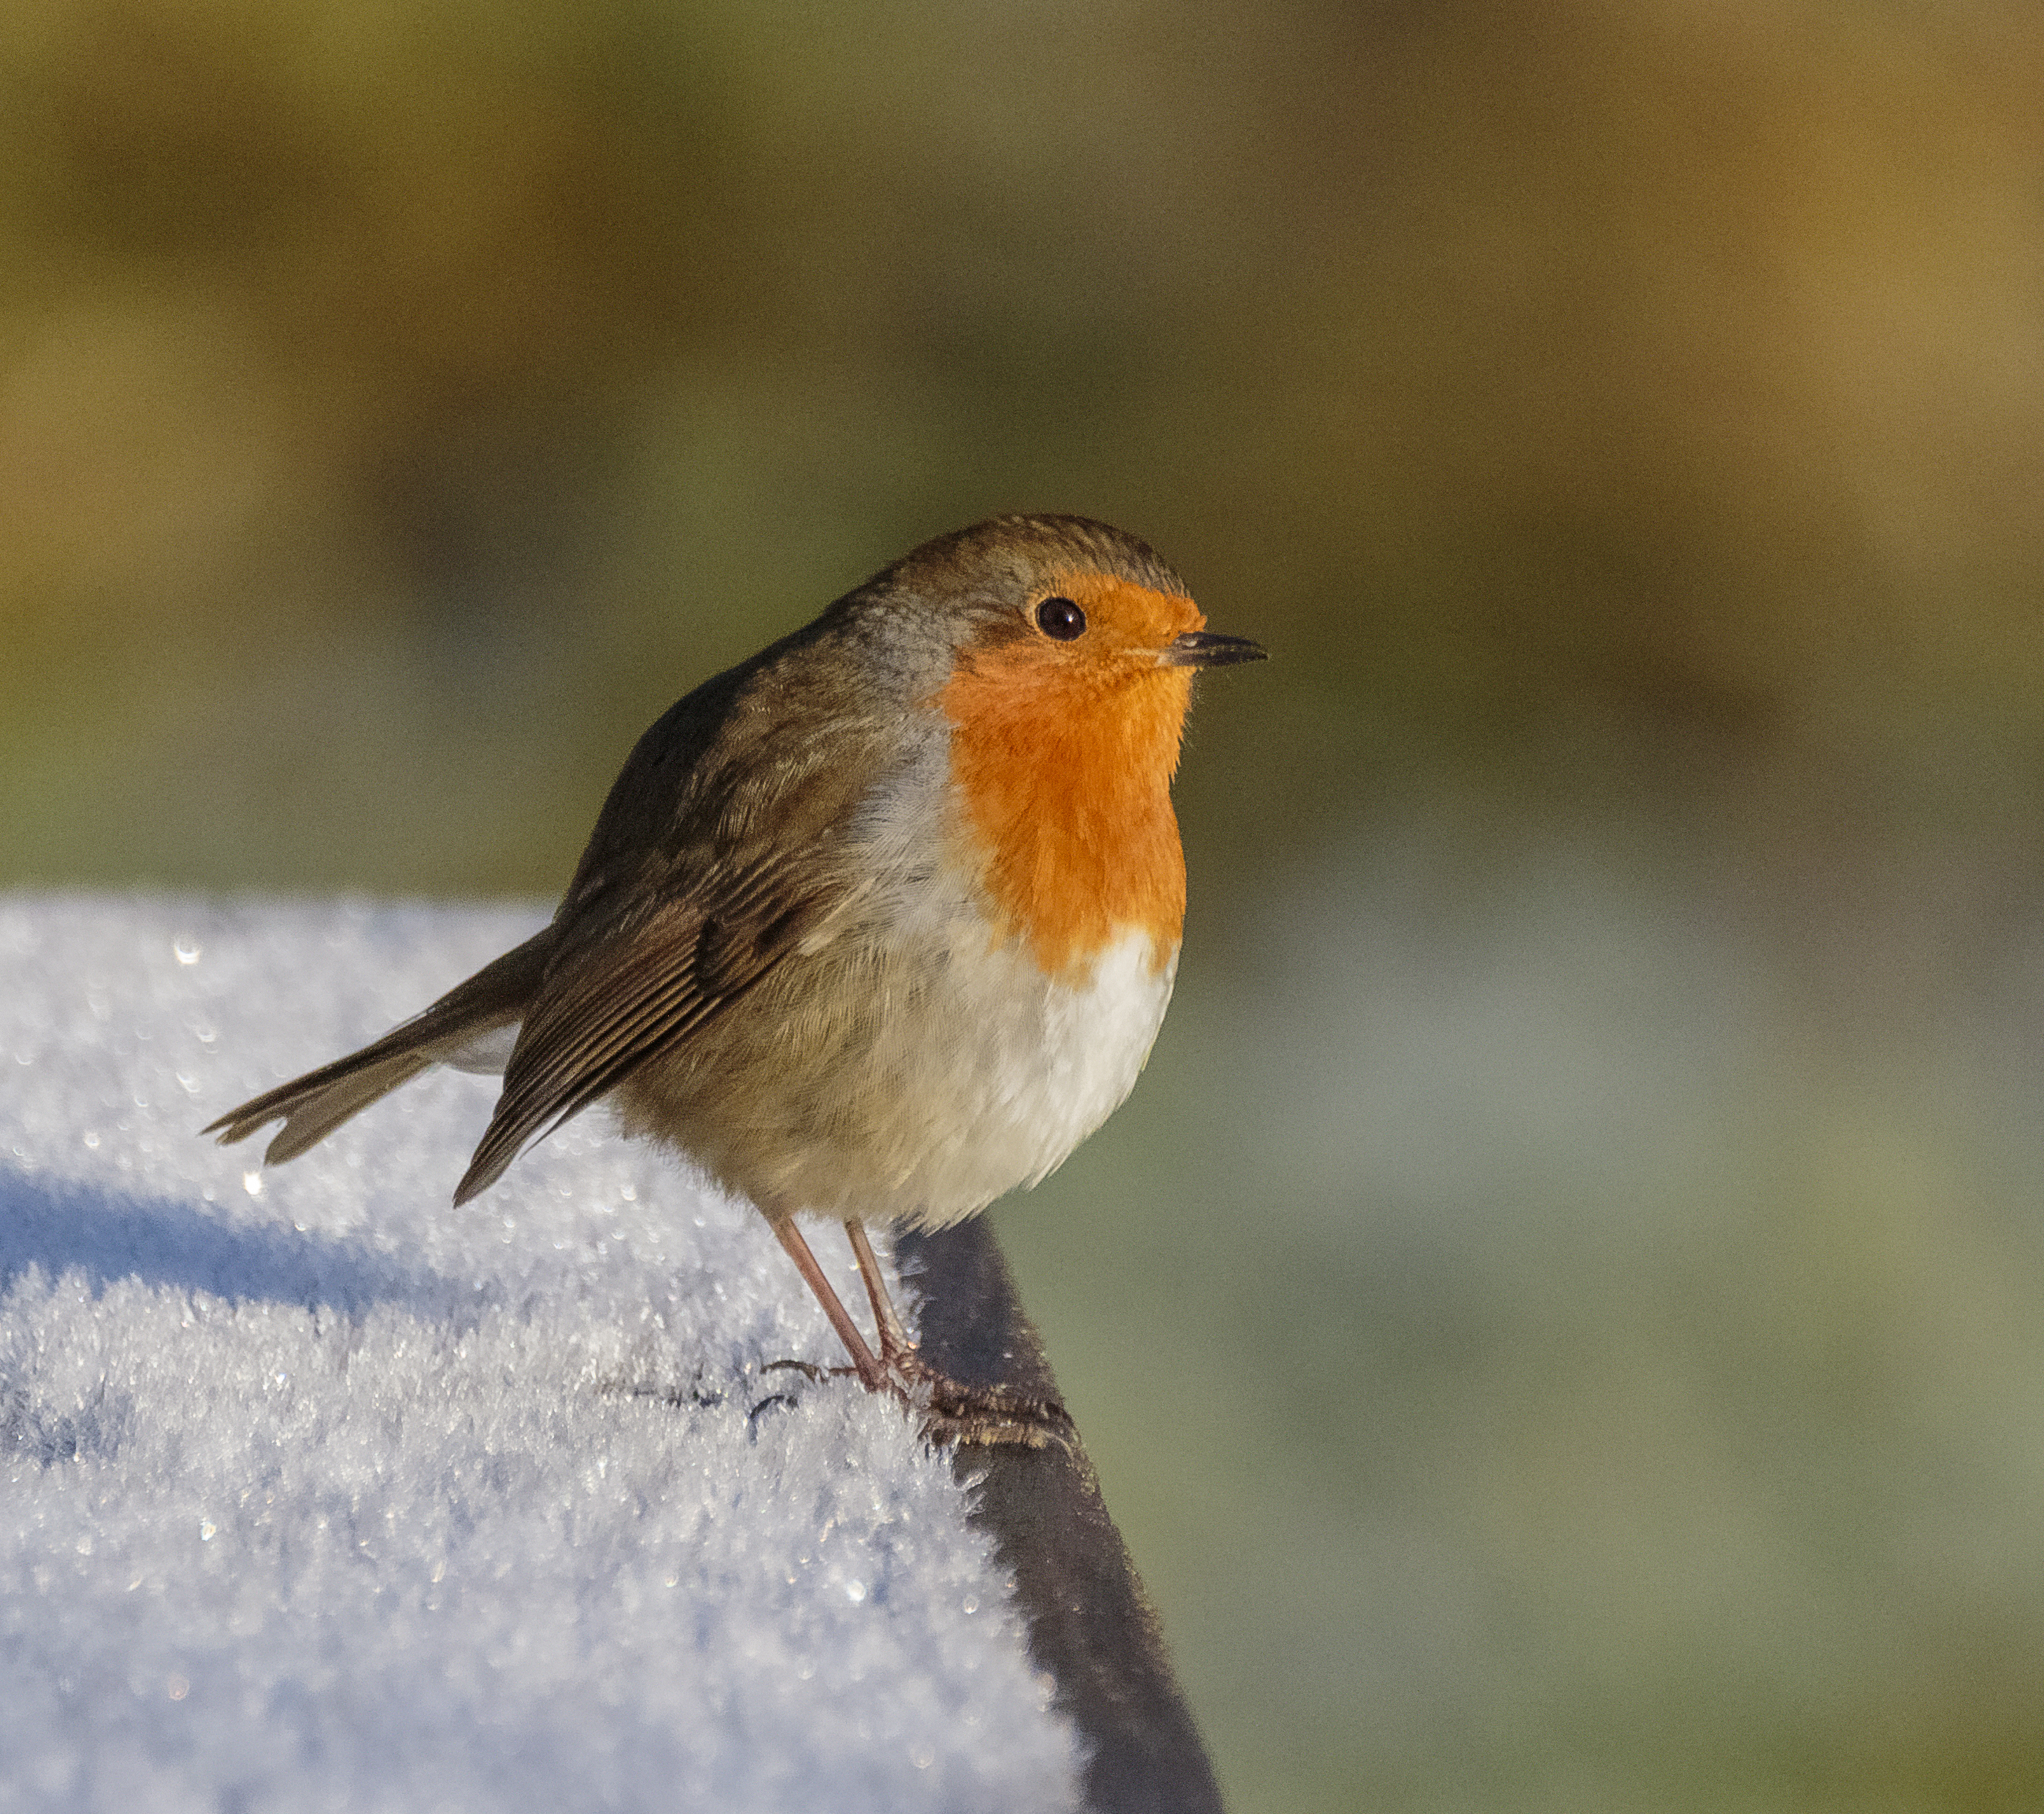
808 1370
953 1412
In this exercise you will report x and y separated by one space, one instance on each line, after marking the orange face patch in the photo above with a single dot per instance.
1062 753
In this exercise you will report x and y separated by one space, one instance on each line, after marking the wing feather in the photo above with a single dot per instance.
612 1001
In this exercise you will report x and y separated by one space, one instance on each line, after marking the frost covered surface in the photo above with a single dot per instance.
316 1493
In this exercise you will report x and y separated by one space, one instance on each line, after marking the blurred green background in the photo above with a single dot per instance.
1562 1323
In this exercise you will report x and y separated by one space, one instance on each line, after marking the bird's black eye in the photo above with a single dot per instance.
1060 620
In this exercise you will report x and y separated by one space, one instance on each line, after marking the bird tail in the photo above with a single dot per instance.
462 1027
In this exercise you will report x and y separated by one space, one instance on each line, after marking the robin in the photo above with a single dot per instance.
878 925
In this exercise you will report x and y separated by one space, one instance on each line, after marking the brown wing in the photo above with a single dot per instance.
613 999
710 862
720 849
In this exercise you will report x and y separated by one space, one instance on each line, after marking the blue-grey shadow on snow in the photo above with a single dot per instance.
63 1227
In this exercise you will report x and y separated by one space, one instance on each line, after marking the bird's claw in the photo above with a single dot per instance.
952 1412
977 1416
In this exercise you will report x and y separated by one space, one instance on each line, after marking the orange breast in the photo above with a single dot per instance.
1062 754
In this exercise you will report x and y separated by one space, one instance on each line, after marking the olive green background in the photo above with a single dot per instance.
1561 1322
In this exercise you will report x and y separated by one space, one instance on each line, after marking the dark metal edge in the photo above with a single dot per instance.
1090 1625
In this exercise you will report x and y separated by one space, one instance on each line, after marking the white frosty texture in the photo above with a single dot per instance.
318 1493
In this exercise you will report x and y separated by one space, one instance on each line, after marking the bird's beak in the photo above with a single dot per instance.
1203 648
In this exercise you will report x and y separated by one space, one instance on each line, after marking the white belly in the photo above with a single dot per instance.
1028 1067
917 1082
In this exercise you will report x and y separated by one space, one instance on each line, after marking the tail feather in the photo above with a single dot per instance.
312 1106
312 1111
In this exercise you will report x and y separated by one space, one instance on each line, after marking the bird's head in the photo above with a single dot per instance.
1068 652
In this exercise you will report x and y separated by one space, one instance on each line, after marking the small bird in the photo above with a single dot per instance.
878 924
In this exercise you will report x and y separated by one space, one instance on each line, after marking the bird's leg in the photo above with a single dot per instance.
952 1411
893 1339
872 1375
